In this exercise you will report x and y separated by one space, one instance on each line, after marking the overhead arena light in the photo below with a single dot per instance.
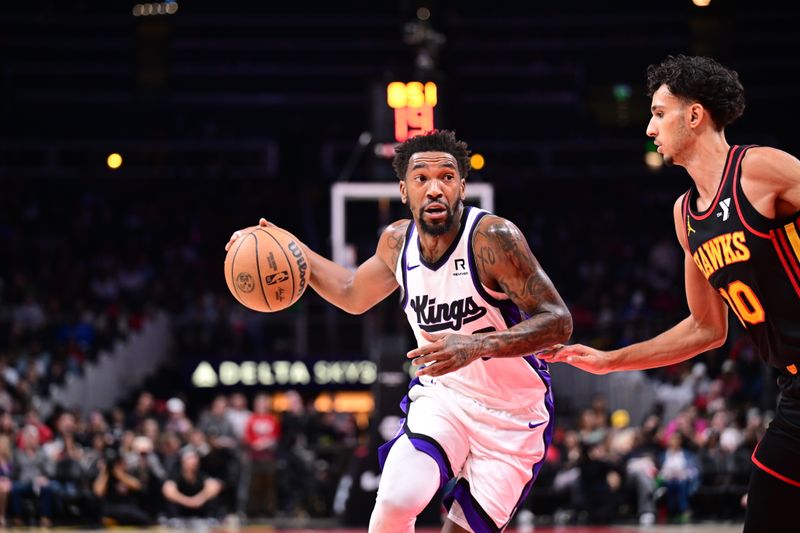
155 8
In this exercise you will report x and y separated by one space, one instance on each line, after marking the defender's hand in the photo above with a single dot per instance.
445 353
236 234
579 356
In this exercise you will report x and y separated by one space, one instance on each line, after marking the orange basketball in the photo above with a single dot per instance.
266 269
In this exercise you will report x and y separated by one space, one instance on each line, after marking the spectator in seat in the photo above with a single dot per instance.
190 492
152 474
118 491
6 473
216 421
680 474
33 471
262 434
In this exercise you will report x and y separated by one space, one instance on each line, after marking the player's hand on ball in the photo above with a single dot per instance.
445 353
238 233
579 356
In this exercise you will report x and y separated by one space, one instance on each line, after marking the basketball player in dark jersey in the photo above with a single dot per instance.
739 226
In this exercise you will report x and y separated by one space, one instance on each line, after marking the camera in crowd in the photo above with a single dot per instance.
111 455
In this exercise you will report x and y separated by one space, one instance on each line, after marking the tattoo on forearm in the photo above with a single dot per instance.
502 255
538 332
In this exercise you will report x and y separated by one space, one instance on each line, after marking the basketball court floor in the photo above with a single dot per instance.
687 528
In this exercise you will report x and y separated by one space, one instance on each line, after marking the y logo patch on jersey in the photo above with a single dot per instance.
725 205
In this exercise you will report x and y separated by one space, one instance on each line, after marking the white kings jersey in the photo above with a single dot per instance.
448 297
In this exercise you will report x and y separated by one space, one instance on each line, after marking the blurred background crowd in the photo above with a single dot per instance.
289 461
221 118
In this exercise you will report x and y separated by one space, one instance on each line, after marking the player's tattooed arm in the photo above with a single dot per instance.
505 264
393 239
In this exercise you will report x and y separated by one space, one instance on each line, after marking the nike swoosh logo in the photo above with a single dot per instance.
536 425
410 267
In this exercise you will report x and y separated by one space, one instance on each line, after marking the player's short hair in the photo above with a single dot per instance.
434 141
700 79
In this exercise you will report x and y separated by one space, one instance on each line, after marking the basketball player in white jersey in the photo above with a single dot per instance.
480 409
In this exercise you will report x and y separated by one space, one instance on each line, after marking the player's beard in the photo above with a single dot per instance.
442 227
678 144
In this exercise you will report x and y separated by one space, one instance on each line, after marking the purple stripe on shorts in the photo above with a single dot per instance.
476 517
436 454
425 446
405 402
383 449
547 436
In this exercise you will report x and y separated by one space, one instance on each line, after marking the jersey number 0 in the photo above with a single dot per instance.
744 302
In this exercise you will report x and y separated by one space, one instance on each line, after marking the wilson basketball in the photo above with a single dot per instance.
266 269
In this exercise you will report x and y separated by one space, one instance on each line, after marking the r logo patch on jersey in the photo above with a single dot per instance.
460 267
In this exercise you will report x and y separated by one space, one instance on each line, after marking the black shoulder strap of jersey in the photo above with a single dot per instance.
734 171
